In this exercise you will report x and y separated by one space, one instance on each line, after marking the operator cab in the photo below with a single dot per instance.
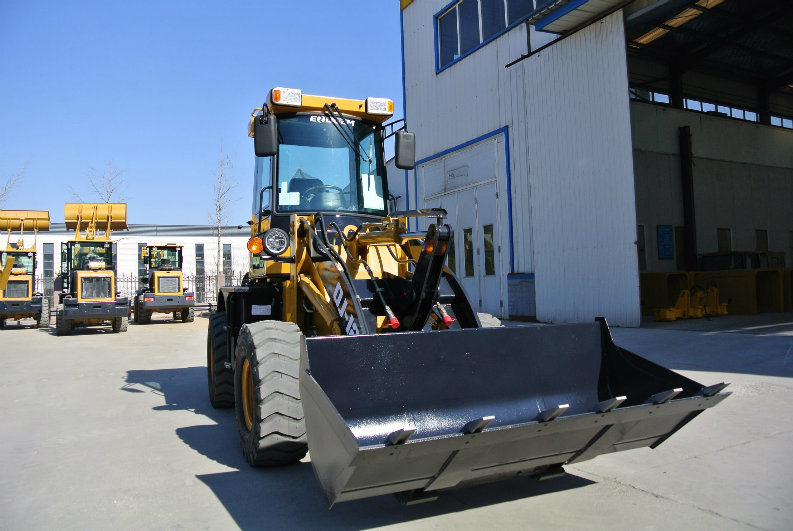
24 262
317 154
163 257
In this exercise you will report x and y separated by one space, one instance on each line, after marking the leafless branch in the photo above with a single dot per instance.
224 184
107 184
9 183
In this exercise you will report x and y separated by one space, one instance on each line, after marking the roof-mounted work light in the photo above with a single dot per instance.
381 106
287 96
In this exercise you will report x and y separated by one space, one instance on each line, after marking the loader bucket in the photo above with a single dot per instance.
420 412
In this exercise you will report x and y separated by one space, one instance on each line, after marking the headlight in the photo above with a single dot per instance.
276 241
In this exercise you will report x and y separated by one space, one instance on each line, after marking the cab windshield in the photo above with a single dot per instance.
165 257
91 256
330 167
21 261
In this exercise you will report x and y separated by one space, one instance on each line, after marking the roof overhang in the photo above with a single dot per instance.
562 16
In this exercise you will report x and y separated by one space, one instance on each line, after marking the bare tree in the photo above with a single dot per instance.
107 184
224 184
5 188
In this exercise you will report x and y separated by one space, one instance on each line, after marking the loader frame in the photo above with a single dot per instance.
351 339
150 298
31 304
88 293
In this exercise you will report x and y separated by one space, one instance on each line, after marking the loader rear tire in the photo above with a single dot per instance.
220 379
489 321
270 418
63 326
43 320
188 315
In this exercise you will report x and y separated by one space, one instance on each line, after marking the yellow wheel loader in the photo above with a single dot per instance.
350 339
163 290
87 281
18 300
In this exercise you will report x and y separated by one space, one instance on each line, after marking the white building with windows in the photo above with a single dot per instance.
531 133
200 254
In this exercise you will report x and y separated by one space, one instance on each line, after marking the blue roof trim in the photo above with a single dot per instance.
559 13
503 130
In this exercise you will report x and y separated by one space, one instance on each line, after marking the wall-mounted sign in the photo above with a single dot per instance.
666 242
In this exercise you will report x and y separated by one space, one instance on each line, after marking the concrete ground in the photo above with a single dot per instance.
103 430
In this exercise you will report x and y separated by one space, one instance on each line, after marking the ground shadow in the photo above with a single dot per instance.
291 495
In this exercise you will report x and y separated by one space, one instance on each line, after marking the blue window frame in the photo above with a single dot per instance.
464 26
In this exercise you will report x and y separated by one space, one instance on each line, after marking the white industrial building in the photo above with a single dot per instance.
579 143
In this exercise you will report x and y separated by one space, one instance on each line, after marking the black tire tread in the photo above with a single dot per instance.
279 433
188 315
62 325
220 380
43 320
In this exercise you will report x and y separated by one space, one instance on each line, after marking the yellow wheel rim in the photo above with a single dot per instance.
247 394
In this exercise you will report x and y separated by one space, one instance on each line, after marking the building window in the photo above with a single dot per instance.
468 21
467 24
490 250
48 269
200 279
227 259
447 38
141 261
493 17
761 239
518 9
199 259
468 244
724 238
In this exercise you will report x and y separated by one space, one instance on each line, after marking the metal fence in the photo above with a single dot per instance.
205 287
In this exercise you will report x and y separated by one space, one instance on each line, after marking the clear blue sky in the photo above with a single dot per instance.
155 87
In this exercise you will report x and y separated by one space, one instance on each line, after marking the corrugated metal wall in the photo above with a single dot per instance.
581 177
566 112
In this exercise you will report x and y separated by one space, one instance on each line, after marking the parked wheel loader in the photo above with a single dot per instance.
89 296
163 290
350 339
18 298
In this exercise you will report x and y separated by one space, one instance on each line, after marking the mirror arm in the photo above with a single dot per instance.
261 198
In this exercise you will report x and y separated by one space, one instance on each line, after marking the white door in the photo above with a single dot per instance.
466 184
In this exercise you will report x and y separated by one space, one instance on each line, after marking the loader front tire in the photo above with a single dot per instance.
188 315
63 326
270 416
144 315
220 378
120 324
43 320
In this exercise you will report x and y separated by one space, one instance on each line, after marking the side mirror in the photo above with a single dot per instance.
265 135
405 150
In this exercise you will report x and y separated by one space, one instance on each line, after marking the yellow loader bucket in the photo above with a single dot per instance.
17 220
80 214
417 413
